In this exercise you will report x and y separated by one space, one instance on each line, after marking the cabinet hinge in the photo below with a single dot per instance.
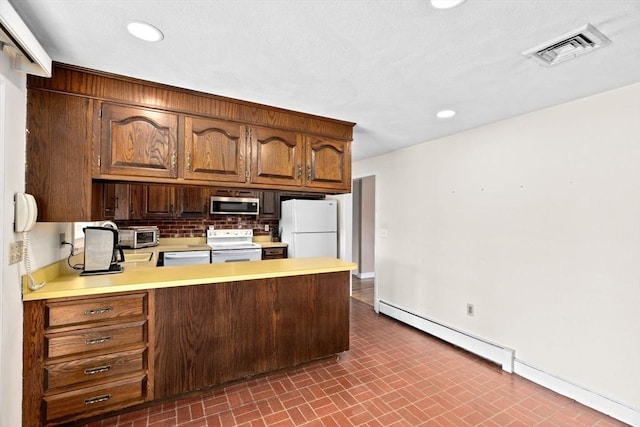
249 134
99 161
100 114
247 175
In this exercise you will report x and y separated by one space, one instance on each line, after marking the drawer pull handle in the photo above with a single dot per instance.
97 370
100 340
97 399
98 311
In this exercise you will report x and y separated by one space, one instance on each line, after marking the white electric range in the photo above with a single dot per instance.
233 245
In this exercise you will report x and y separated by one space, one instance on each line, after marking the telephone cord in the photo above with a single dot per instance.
27 264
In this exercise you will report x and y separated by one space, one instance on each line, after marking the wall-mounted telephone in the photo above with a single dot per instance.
26 212
25 215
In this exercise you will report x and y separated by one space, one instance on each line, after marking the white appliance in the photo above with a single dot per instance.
310 227
186 258
233 245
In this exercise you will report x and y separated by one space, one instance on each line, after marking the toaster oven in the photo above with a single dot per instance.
139 237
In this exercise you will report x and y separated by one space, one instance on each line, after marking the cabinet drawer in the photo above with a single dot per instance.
94 368
95 309
97 399
274 253
100 339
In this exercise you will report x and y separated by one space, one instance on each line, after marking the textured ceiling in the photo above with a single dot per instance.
387 65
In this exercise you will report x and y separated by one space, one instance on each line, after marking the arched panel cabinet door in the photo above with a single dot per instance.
138 141
215 150
276 157
328 164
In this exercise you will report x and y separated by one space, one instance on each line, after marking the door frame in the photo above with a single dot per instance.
346 242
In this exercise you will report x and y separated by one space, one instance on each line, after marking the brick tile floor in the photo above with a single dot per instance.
393 375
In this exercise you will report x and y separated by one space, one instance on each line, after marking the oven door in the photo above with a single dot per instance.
235 255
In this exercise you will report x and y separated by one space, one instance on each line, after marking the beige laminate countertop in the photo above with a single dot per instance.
145 275
272 244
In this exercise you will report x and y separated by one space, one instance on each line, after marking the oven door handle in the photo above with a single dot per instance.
236 252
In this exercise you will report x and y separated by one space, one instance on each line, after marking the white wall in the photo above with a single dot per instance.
367 224
12 146
536 221
44 240
356 192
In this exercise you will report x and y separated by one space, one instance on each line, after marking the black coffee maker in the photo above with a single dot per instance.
101 251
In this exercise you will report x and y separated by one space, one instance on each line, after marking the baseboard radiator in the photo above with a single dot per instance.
505 357
501 355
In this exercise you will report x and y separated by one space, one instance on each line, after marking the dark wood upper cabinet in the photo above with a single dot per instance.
214 150
138 141
328 164
192 201
158 201
117 203
58 169
269 205
276 157
99 127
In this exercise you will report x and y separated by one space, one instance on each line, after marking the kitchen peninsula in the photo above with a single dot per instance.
151 154
99 344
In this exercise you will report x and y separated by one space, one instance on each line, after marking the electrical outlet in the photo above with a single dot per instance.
266 227
15 252
470 309
63 239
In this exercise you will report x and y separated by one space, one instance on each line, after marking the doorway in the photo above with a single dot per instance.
363 239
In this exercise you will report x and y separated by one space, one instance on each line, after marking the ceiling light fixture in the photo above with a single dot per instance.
144 31
446 4
445 114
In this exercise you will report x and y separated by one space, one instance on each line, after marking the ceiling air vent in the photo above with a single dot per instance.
568 46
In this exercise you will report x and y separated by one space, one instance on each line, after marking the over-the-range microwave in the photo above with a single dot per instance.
234 205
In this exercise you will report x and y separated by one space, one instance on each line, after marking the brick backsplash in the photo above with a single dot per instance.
196 227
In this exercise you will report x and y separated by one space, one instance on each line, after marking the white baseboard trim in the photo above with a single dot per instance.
369 275
588 398
498 354
506 358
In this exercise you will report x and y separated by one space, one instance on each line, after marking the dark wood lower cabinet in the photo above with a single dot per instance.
93 355
210 334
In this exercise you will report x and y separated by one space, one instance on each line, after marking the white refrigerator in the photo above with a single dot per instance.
310 228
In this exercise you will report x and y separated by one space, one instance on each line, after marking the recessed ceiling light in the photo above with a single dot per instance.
446 4
445 114
144 31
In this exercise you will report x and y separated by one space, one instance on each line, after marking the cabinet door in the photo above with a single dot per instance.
115 201
269 205
233 192
328 164
138 141
192 201
215 150
158 201
276 157
136 200
274 253
58 169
